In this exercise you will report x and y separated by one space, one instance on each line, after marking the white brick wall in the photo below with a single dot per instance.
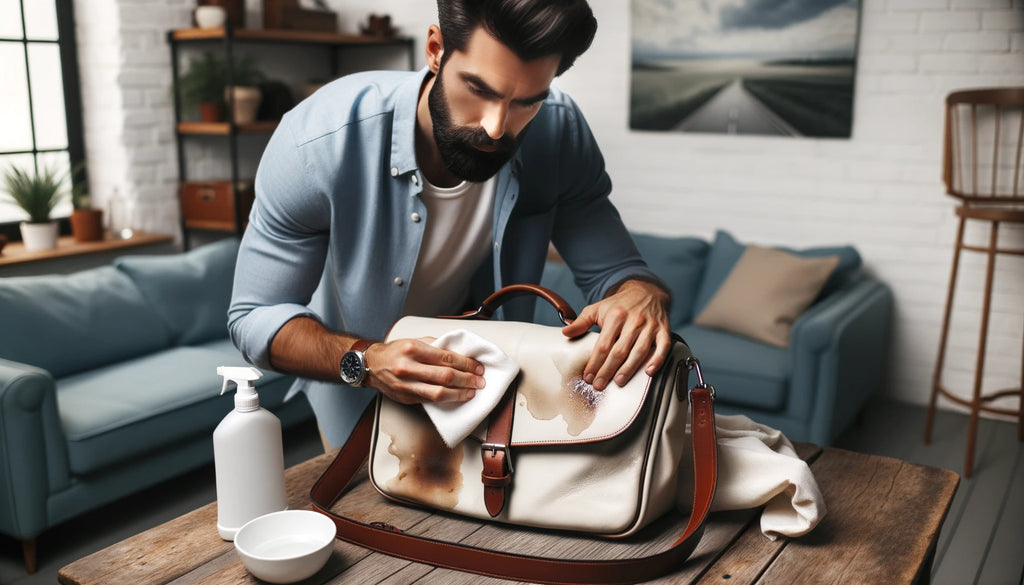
880 190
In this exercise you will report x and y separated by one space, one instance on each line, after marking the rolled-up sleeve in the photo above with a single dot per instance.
588 230
281 257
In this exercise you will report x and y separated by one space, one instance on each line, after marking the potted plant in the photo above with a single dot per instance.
245 94
86 221
203 87
37 194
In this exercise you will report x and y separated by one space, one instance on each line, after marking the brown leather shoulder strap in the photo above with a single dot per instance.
388 540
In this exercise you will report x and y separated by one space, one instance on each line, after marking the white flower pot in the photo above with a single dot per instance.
210 16
39 236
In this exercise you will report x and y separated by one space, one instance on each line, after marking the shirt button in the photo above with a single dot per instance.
394 171
495 246
415 180
399 281
415 217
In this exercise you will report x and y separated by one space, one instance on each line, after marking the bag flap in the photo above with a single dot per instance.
553 403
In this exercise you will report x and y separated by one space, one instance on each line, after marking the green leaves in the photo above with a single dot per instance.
37 193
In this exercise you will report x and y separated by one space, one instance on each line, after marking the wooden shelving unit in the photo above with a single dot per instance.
232 217
224 128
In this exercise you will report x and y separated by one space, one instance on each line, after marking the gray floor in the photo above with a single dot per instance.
982 542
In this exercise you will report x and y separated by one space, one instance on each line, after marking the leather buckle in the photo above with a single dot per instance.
494 448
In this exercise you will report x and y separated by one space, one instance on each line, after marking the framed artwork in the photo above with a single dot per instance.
764 67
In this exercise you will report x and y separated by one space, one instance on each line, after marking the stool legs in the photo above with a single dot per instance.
944 335
979 368
972 429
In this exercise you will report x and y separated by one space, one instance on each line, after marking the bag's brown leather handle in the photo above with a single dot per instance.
565 312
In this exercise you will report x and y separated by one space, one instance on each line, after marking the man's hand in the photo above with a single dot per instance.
634 331
411 371
406 370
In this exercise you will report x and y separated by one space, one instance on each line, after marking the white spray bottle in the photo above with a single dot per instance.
248 457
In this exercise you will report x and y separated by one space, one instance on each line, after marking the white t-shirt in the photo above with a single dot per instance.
456 239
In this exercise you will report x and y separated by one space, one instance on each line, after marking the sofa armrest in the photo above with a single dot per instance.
840 350
33 449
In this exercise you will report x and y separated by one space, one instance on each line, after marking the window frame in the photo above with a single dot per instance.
68 50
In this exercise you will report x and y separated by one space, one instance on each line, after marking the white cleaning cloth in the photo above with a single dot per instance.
456 420
757 466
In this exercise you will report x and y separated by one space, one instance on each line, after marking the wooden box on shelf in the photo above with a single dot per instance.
211 204
288 14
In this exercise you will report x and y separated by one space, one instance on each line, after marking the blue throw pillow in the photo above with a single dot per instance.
190 291
726 251
679 262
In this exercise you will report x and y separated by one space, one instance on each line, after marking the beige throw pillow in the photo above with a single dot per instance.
765 292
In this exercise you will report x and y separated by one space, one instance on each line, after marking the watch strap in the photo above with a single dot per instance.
361 345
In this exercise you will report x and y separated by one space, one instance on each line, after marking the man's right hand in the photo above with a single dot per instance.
412 371
409 371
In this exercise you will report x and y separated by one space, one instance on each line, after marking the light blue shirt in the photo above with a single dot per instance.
335 230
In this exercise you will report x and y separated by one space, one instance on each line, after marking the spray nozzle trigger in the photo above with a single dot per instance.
242 376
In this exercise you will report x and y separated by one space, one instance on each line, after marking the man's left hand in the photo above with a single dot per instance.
634 331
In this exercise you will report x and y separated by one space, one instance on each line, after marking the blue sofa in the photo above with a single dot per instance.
812 389
108 382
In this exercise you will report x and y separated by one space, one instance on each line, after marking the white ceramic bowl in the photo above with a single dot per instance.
285 547
210 16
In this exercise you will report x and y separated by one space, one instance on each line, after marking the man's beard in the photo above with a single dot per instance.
456 143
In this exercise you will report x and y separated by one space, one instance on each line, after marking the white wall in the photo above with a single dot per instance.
879 190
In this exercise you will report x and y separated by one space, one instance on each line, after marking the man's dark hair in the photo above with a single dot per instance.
530 28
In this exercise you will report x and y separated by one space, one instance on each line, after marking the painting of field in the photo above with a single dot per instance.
712 74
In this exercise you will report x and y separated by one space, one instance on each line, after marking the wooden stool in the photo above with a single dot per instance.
983 167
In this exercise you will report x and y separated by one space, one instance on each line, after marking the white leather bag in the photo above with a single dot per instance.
554 453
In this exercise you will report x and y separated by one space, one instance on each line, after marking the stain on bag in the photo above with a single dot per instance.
428 471
575 400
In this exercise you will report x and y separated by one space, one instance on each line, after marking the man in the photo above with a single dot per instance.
395 193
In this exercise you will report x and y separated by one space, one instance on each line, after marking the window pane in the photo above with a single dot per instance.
61 163
41 20
47 96
10 19
9 211
14 118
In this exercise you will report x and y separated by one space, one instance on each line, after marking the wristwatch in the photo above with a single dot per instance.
353 363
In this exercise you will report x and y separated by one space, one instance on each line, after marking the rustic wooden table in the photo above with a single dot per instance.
883 521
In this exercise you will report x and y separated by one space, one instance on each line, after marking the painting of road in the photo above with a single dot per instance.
763 67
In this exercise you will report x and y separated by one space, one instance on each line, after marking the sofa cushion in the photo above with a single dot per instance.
117 412
679 262
55 322
558 278
744 372
726 251
190 291
766 291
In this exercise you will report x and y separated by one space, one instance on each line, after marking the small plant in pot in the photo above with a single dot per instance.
37 194
203 86
86 221
245 94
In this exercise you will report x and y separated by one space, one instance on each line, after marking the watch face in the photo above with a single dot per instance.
352 368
